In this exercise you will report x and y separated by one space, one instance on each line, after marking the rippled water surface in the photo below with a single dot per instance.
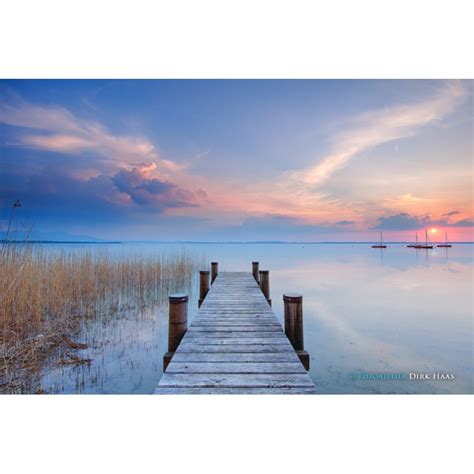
367 313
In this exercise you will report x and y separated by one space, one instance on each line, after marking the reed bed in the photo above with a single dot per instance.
45 294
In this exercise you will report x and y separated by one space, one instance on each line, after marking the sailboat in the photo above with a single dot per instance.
427 244
381 245
445 241
416 244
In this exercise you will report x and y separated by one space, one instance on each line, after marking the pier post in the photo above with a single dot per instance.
178 324
214 271
264 276
203 285
293 303
255 271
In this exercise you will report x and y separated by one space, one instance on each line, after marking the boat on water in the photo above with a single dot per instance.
445 241
415 245
427 244
381 245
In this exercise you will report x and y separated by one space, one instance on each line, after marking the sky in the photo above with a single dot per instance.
240 160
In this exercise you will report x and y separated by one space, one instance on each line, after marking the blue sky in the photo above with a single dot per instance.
239 160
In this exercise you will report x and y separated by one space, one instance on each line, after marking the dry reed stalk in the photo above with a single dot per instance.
45 293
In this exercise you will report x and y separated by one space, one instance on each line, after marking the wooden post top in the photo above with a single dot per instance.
178 298
204 272
264 272
293 297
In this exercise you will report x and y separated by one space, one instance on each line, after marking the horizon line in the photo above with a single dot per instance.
313 242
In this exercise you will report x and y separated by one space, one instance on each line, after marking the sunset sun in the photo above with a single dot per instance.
433 230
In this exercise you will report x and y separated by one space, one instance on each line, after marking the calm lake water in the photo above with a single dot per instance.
367 313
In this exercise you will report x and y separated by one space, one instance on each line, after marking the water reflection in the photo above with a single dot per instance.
389 310
401 313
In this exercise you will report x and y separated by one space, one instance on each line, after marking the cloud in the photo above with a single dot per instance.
115 178
203 194
345 222
145 190
404 221
381 126
451 213
54 119
59 130
128 195
58 143
464 223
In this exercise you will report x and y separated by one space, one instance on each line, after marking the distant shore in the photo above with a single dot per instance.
228 242
58 242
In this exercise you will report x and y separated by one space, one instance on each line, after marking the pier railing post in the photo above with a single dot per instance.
214 271
178 324
293 303
255 271
203 285
264 276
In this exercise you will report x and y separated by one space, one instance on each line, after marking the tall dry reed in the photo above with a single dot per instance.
45 293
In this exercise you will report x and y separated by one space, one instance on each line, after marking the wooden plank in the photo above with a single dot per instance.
238 310
254 319
235 321
235 357
213 341
190 347
235 368
211 329
236 380
235 391
235 313
244 325
198 336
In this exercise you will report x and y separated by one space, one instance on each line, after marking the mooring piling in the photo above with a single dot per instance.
255 271
264 276
293 303
178 324
203 285
214 271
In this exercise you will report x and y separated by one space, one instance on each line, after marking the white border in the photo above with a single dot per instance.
241 434
236 39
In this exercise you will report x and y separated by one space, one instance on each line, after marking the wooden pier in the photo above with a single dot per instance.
235 345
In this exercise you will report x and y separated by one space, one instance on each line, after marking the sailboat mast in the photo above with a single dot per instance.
381 239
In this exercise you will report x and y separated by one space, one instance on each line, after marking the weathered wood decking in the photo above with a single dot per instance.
235 345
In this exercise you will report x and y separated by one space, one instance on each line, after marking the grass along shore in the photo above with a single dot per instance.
45 294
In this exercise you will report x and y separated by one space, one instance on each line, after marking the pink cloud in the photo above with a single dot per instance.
59 143
146 190
64 132
54 119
